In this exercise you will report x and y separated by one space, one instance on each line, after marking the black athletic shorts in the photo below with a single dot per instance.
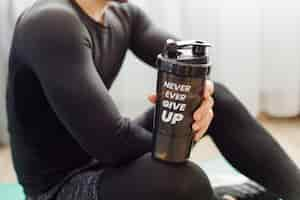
81 184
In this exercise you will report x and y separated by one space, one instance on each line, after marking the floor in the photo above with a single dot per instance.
286 132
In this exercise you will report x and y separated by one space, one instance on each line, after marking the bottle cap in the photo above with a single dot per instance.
185 58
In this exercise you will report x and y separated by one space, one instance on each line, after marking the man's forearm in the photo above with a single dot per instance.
145 120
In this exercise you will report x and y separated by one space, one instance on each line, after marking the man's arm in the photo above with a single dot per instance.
147 40
58 50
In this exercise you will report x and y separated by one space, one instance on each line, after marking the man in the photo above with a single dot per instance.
69 140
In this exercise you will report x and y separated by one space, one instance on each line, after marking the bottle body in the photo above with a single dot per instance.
180 88
178 98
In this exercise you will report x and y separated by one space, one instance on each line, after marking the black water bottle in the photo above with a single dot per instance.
183 68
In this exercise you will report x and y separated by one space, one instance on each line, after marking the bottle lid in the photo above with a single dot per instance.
185 58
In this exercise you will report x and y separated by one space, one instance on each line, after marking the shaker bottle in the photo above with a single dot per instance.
183 67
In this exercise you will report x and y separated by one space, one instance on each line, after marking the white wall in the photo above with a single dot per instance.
256 49
232 26
281 58
6 25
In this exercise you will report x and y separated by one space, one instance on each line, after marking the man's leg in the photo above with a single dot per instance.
247 145
250 148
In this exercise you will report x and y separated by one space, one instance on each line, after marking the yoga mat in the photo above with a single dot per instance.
220 172
11 192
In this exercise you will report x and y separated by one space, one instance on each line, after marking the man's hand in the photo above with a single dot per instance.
203 115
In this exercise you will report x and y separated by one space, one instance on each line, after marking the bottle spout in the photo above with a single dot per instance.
197 47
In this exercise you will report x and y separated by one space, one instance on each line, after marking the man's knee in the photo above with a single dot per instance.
148 179
193 183
179 181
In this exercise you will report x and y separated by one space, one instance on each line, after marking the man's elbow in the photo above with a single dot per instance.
113 147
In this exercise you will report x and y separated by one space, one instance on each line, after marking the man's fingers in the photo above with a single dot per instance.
227 197
204 108
152 98
202 126
209 88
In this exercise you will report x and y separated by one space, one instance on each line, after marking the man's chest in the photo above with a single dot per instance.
109 50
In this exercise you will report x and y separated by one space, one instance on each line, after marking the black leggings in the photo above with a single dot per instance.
248 146
243 142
